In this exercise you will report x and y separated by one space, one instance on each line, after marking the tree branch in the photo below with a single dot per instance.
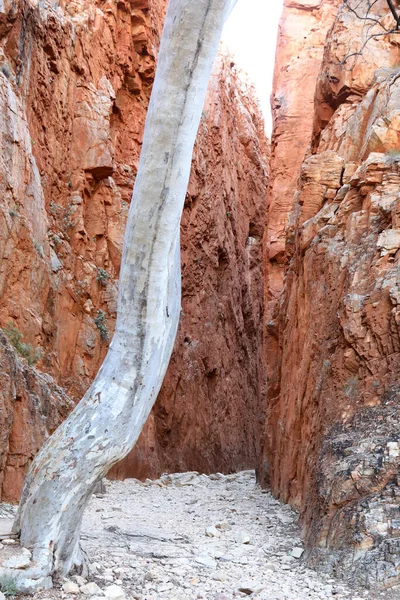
370 23
394 12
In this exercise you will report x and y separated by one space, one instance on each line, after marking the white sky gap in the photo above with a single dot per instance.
250 35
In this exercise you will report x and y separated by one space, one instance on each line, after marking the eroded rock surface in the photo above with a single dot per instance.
31 407
82 75
332 429
302 34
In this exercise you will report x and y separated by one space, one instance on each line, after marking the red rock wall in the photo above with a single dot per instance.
82 77
75 81
332 430
207 416
300 46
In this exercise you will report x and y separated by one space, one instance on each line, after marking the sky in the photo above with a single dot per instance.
250 34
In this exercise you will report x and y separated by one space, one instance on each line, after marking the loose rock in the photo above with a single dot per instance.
114 592
207 561
242 538
297 552
143 553
8 542
213 532
90 589
19 561
70 587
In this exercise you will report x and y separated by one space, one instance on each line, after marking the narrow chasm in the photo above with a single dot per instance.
269 465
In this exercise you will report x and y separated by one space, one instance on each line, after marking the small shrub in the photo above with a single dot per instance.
5 69
56 239
350 387
38 248
15 337
101 324
55 209
81 287
102 276
8 586
391 395
67 222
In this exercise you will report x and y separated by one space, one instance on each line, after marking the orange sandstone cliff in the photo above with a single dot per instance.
300 46
75 81
332 426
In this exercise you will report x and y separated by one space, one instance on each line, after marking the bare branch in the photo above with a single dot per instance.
360 52
371 22
366 17
394 12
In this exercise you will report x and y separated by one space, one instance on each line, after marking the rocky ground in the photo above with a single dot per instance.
191 536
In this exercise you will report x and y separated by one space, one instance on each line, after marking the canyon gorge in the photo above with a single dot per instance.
287 357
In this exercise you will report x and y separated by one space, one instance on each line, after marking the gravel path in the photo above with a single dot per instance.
189 536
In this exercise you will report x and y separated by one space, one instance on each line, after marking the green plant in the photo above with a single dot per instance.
12 212
8 586
67 222
5 69
56 239
15 337
350 387
55 209
81 287
101 324
102 276
38 248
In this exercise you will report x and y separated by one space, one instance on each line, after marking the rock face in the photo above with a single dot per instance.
207 416
75 80
332 431
302 34
31 407
82 77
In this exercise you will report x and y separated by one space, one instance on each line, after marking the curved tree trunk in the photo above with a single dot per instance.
105 425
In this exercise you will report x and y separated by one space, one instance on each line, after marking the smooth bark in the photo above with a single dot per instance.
107 422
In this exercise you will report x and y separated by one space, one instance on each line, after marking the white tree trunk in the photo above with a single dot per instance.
105 425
